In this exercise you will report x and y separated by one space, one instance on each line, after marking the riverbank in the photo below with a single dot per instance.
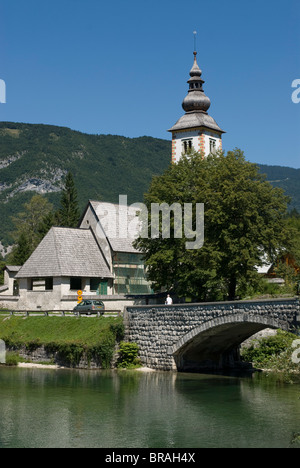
67 342
31 365
57 342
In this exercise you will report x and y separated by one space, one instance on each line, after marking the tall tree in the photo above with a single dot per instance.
243 226
288 266
68 213
27 228
293 223
2 265
21 251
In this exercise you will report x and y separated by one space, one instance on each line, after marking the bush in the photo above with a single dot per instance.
12 358
128 355
118 329
274 354
263 349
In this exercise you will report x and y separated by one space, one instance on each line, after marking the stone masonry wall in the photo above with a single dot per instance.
161 330
40 354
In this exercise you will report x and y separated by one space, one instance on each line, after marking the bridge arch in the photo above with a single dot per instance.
215 344
204 335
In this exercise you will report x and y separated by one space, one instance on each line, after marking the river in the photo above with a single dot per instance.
131 409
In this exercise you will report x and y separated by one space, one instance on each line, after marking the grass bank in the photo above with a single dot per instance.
69 337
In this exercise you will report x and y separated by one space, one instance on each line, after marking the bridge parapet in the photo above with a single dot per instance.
183 336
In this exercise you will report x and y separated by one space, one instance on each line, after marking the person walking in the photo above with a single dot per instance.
169 300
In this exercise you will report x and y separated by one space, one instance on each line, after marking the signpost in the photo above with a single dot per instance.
79 296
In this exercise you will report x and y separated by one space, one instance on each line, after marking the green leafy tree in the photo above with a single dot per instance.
22 250
68 213
27 228
2 265
49 220
293 224
243 224
288 265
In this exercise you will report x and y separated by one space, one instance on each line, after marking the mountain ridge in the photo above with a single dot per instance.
34 158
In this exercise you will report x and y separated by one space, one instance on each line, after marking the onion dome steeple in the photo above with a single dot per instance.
196 100
196 129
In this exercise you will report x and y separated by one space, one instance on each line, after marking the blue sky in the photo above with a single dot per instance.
120 67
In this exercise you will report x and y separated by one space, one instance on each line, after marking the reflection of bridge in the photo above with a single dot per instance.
203 336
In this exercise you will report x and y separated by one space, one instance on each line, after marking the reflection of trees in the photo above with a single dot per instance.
70 408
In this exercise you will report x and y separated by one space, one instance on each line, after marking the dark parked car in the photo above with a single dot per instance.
89 307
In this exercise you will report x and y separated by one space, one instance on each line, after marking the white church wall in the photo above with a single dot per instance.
200 141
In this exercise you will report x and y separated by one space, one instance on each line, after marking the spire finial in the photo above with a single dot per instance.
195 43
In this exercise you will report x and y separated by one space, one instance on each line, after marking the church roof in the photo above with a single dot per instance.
196 119
66 252
196 105
120 224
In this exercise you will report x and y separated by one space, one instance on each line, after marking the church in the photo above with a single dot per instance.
196 129
94 258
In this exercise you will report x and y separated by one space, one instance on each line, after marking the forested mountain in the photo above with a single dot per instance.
36 159
286 178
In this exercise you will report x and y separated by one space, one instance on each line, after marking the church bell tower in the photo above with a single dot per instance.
196 129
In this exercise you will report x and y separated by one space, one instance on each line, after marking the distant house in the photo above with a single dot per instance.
97 258
116 228
10 283
9 292
268 271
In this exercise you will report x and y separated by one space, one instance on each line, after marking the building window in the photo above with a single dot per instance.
187 146
49 284
76 284
99 285
41 284
130 275
212 145
16 288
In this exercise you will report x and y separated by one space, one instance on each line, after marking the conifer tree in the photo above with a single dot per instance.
22 250
68 213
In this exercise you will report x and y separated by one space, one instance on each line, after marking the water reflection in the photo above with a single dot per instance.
67 408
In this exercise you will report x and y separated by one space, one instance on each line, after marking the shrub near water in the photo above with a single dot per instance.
12 359
275 354
128 355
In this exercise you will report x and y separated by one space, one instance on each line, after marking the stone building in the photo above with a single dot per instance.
97 258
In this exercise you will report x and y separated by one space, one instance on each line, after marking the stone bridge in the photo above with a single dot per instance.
190 337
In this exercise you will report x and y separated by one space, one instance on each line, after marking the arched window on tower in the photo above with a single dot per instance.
212 145
187 146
